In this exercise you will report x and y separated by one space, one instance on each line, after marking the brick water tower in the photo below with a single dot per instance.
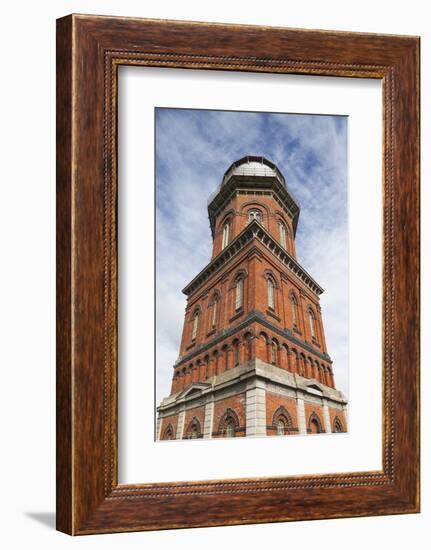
253 359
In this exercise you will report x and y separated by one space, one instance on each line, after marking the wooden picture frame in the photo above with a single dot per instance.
89 51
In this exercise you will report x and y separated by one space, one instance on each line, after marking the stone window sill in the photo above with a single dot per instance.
237 315
271 313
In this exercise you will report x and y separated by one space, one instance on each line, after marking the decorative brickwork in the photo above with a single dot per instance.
169 427
229 413
338 420
253 357
281 409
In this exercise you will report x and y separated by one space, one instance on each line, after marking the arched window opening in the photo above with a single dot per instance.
239 293
314 426
229 424
206 370
226 357
226 231
302 365
274 353
169 433
282 421
247 344
282 228
194 429
294 303
214 311
338 427
312 319
254 214
270 284
281 427
236 353
229 430
195 325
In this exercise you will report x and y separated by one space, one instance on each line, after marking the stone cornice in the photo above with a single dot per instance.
198 394
253 230
253 316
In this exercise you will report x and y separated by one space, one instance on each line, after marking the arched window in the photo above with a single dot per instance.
239 292
225 351
226 230
281 428
294 303
194 429
236 353
195 324
254 214
229 423
282 228
314 426
169 433
214 310
270 284
248 346
274 353
282 422
338 427
312 319
214 313
229 430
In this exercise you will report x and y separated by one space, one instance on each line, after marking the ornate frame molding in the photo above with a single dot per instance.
89 51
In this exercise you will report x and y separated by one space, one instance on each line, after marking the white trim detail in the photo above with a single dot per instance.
158 428
300 410
180 426
239 292
225 241
256 411
209 420
326 418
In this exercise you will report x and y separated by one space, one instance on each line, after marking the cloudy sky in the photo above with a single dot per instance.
193 150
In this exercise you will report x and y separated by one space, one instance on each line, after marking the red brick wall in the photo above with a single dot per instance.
237 404
273 402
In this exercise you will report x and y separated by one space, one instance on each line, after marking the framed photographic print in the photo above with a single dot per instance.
237 274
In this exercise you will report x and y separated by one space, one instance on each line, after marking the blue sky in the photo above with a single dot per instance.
193 150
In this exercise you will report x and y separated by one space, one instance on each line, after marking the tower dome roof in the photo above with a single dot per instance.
252 172
253 166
